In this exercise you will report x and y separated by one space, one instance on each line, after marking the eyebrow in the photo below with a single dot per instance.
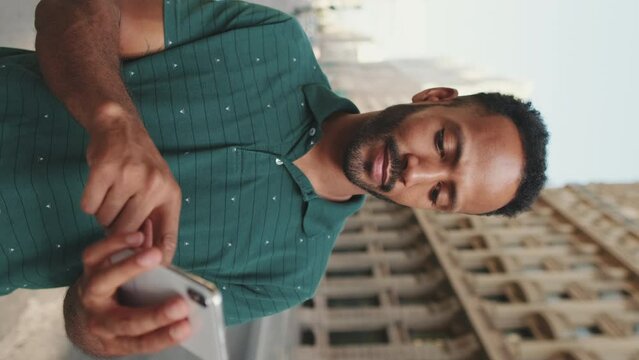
458 153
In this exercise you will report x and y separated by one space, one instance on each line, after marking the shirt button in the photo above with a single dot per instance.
278 161
312 132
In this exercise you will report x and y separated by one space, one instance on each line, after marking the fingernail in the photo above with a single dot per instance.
134 239
177 310
149 258
180 331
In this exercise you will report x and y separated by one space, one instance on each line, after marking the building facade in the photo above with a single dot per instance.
559 282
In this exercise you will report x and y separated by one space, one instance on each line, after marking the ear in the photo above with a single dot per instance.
435 95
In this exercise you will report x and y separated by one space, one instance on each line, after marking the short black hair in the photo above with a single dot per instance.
534 137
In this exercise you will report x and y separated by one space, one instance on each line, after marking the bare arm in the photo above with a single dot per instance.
79 46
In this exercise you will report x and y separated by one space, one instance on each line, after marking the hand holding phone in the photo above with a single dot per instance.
152 288
102 326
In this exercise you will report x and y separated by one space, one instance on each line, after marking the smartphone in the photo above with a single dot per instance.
154 287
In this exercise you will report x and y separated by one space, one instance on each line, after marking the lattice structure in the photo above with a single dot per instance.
559 282
384 296
623 198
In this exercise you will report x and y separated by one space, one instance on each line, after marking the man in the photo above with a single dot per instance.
228 98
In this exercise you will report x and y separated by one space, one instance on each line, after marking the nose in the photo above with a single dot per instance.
423 170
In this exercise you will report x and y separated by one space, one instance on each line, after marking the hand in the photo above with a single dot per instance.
129 181
103 327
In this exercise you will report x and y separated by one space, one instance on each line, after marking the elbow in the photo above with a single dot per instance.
56 12
42 12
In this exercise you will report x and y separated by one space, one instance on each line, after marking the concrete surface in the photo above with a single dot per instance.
32 326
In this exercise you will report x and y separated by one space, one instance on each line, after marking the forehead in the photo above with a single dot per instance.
490 168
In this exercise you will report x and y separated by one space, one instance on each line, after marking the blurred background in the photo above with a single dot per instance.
558 283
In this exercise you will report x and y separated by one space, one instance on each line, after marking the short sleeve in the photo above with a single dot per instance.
186 21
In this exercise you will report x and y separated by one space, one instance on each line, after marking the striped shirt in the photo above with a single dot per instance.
233 100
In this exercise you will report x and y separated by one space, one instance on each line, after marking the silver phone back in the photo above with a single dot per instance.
207 339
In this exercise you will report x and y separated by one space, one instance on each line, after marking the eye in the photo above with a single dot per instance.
434 193
439 143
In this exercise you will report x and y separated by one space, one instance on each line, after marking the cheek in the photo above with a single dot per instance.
414 137
414 198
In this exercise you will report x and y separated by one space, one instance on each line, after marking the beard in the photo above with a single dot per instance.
377 130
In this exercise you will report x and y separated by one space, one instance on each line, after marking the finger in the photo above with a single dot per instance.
97 187
166 224
157 340
132 215
139 321
97 252
104 283
113 203
147 230
148 233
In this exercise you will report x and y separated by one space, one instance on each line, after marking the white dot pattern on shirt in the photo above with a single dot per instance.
172 67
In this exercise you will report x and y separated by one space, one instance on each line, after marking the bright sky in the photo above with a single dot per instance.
579 55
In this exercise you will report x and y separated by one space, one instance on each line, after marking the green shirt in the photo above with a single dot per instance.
234 99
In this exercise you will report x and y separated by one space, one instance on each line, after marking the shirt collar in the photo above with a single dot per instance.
323 102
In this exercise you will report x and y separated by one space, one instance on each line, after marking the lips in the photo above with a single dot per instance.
377 170
380 170
385 166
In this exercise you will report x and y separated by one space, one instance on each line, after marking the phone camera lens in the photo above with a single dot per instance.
197 297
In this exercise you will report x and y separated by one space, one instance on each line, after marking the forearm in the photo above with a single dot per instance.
77 48
75 323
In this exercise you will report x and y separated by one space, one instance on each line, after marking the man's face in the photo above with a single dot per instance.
450 158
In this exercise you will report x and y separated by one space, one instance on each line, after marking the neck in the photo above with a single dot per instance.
323 164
